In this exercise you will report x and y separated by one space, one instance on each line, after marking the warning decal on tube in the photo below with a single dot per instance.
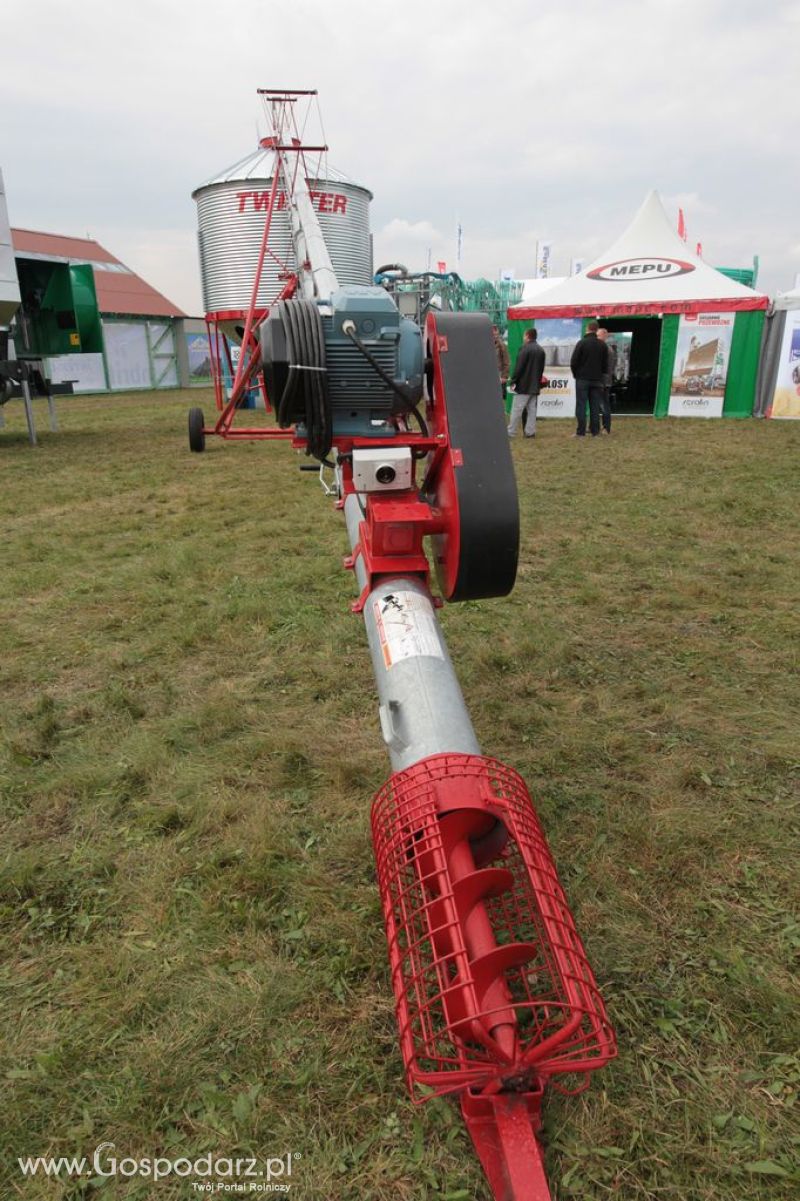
406 626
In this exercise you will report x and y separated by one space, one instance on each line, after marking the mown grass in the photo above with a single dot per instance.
193 954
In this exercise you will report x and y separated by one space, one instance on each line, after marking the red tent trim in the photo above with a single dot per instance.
639 309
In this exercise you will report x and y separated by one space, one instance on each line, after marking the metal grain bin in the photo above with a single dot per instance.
231 209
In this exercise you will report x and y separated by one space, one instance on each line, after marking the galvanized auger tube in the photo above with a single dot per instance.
421 707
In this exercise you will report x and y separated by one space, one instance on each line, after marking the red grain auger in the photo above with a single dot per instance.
494 996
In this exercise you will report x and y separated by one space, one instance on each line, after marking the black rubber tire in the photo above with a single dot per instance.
197 439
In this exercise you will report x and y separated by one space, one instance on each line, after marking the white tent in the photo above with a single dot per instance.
532 289
786 300
650 269
695 334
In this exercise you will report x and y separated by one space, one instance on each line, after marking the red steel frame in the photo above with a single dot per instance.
494 995
395 523
249 365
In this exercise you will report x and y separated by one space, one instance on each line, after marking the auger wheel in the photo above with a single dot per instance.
472 483
197 437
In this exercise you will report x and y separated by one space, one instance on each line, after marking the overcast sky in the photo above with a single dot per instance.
523 120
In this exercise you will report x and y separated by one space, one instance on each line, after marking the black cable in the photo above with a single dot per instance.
284 402
401 390
305 396
423 428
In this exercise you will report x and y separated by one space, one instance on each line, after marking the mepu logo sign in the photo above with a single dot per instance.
626 269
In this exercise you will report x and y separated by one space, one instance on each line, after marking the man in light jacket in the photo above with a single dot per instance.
526 382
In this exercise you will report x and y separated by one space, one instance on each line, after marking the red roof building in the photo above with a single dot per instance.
133 337
120 291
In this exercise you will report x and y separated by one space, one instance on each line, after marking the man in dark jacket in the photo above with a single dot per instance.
526 382
589 364
608 381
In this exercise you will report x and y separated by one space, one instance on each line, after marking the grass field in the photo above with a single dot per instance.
193 955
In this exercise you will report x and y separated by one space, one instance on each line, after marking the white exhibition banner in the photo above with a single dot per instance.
127 355
254 399
700 370
786 398
558 398
84 371
198 348
557 337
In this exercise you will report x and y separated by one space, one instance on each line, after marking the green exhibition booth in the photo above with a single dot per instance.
687 336
654 342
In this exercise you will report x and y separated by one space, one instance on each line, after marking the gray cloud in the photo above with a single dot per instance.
521 122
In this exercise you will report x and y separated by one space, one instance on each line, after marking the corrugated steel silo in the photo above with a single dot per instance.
231 208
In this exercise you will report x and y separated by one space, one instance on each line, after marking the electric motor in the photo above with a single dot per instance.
355 354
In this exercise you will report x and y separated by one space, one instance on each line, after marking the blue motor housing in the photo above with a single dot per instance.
372 360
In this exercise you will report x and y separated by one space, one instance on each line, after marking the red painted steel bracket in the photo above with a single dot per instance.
390 539
503 1128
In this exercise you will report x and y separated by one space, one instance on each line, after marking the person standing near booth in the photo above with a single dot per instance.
589 365
526 383
608 380
503 361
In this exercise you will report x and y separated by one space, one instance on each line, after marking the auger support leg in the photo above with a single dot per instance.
503 1129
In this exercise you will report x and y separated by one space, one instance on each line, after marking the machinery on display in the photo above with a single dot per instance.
417 293
23 372
494 996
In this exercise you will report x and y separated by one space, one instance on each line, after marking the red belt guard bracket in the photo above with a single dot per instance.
493 992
